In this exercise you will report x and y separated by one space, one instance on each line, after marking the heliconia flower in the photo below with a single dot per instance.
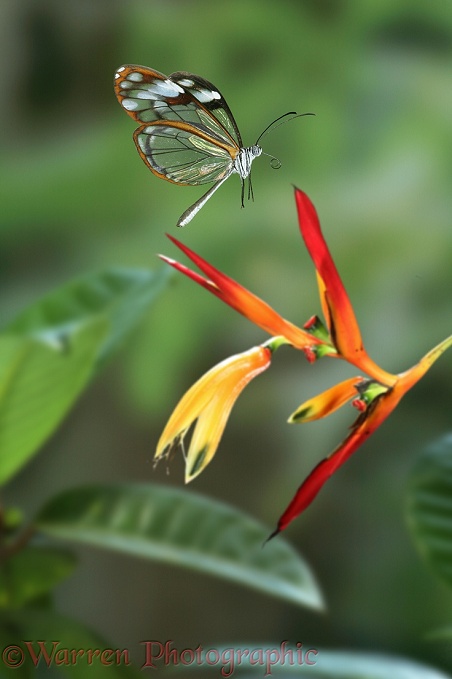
245 302
377 402
207 406
208 403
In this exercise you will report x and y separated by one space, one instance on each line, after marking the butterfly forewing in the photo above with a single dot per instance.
148 95
182 154
141 91
207 94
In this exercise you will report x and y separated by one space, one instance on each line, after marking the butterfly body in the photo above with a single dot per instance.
187 133
244 158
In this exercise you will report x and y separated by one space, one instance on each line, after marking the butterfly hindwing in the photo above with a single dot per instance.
182 153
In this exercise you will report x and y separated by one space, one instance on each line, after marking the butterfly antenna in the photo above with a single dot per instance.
275 162
294 115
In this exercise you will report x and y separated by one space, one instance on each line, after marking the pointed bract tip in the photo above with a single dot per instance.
271 536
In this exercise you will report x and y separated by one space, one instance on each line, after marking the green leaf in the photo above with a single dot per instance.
343 665
32 572
38 384
49 353
121 295
429 505
440 634
179 527
56 634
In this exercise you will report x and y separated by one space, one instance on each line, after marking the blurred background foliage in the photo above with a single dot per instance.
377 162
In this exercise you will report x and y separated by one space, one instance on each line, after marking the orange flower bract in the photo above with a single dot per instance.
207 406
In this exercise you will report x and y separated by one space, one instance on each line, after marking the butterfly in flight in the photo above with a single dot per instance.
187 132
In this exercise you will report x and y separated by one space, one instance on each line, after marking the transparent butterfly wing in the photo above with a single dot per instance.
148 96
182 153
211 98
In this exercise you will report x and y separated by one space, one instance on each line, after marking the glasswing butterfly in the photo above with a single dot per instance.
187 132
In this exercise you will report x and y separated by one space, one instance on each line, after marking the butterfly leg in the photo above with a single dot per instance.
243 191
250 189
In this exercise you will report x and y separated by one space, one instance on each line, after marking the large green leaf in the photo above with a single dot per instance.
32 572
430 506
343 665
49 352
121 295
180 527
39 381
57 636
